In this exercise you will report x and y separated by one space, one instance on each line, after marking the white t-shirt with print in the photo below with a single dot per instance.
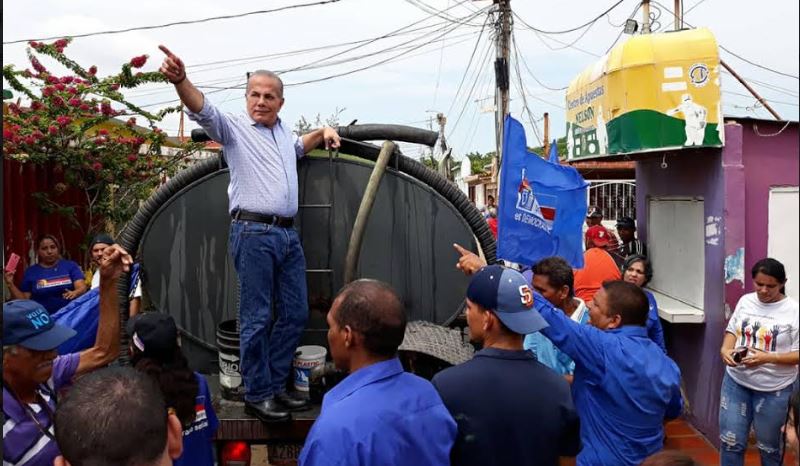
770 327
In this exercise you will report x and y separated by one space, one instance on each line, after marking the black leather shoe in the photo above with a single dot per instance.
267 411
290 402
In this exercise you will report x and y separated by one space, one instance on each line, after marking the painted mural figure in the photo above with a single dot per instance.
695 116
602 133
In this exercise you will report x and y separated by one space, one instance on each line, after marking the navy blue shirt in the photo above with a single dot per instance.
381 416
198 438
624 387
510 409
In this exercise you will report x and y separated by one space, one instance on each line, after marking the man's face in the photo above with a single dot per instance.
97 252
599 312
476 319
541 283
30 365
264 99
626 234
337 337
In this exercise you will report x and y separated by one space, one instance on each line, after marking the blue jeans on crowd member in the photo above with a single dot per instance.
739 408
272 277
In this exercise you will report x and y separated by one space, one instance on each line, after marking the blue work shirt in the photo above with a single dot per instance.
380 415
654 329
262 160
547 353
623 389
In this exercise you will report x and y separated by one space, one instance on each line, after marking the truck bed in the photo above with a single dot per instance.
234 424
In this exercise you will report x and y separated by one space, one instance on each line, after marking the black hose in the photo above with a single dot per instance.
388 132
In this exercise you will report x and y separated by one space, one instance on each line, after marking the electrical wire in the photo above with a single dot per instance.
176 23
576 28
469 64
484 62
525 64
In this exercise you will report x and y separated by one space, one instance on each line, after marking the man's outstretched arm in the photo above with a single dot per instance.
175 71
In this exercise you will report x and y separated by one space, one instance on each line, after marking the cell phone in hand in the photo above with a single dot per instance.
739 354
13 261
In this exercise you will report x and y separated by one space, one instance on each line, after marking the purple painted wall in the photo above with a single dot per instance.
769 161
739 175
694 347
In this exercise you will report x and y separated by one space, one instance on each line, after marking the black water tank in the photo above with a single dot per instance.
408 243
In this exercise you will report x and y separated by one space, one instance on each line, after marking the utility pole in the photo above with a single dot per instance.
751 90
501 72
546 135
645 16
678 16
442 121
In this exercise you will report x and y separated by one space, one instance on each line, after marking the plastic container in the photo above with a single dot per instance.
230 376
305 359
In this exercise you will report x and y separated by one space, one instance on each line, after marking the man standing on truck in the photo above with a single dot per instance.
262 155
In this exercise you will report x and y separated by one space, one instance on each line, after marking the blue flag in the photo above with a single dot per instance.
554 153
541 205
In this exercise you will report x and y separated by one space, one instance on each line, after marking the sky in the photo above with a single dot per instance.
429 70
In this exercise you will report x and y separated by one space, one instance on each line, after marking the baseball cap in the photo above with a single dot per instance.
154 334
26 323
103 238
506 292
599 235
594 211
626 222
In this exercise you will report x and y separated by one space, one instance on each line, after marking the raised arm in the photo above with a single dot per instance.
175 71
16 293
583 343
115 260
313 139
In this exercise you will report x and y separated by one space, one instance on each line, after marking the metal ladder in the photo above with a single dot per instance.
332 155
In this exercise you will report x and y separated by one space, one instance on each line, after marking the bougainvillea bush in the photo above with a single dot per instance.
82 126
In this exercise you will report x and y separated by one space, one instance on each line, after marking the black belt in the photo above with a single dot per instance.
283 222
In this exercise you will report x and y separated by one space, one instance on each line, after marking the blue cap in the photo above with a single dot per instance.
26 323
506 292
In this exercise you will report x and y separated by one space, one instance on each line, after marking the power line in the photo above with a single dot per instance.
176 23
469 64
750 96
566 31
757 65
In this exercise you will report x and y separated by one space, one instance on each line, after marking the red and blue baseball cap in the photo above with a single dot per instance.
26 323
506 292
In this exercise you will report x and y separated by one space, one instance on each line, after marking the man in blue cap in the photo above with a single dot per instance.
495 396
33 374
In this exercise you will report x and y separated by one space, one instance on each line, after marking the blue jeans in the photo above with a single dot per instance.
272 278
739 407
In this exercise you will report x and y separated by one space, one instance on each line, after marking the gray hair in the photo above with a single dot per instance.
268 74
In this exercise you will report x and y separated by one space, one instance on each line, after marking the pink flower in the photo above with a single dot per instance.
13 108
58 101
52 129
71 90
48 91
36 105
35 119
138 62
105 109
52 80
37 65
7 133
131 122
34 44
63 120
60 86
61 43
92 70
97 166
84 107
132 158
103 132
115 86
30 140
27 73
75 102
67 79
37 135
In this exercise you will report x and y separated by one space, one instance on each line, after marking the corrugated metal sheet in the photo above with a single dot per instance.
23 221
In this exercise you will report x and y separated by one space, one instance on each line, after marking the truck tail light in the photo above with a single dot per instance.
235 454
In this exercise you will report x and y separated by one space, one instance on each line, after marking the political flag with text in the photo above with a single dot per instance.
542 205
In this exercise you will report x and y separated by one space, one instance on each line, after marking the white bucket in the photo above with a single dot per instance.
305 359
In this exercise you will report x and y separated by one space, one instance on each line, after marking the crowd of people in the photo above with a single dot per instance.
571 362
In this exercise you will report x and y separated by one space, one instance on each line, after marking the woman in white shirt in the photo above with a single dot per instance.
761 349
